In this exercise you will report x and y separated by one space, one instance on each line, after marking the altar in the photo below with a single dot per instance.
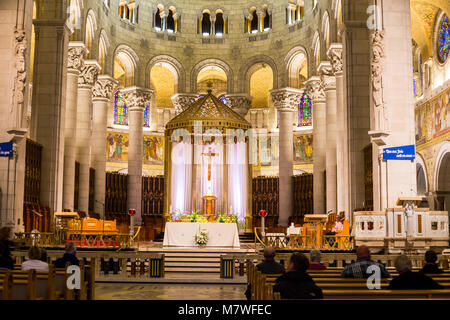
182 234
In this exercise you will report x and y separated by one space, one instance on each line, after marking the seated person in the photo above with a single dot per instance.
358 269
315 256
296 283
69 256
6 260
34 262
431 267
408 280
268 266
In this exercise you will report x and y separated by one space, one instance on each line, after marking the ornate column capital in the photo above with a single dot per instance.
181 101
75 56
334 54
104 87
327 77
286 99
239 103
315 88
88 73
137 98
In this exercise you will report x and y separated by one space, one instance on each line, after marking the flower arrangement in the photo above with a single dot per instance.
201 238
226 218
194 216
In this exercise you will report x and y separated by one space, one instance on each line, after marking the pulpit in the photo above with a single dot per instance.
313 229
209 205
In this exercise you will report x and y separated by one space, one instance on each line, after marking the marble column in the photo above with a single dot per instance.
75 62
239 102
136 99
286 101
335 56
86 81
329 85
103 91
315 89
49 97
181 101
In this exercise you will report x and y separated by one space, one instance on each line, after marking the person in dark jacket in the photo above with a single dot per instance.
296 283
69 256
431 267
6 260
267 266
408 280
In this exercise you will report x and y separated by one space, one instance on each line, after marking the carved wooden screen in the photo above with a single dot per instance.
116 194
76 186
303 194
368 178
265 196
152 195
92 190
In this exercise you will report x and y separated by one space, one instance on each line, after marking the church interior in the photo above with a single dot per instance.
174 143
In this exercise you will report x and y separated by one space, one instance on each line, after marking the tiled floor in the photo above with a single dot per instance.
124 291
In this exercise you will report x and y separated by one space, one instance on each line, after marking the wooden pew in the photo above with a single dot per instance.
6 286
23 284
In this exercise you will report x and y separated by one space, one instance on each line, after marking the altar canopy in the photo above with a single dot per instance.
207 156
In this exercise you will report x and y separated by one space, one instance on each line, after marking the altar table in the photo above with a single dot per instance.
183 234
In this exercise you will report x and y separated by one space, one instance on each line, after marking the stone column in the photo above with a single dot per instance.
160 117
239 102
136 99
335 56
329 84
265 118
253 118
49 97
103 92
315 89
86 81
181 101
75 62
285 100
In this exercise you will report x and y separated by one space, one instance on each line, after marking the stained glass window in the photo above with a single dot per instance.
120 109
304 111
443 39
147 116
223 99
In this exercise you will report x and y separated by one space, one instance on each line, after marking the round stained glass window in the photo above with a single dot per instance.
443 39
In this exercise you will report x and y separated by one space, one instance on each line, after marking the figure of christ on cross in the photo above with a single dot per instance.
209 155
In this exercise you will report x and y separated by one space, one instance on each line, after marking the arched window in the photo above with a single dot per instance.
158 20
120 109
304 111
223 99
206 24
267 21
443 40
219 24
147 116
170 22
254 22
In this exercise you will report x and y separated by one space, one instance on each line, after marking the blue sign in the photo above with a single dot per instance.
6 149
400 153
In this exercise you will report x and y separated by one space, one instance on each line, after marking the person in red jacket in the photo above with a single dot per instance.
315 257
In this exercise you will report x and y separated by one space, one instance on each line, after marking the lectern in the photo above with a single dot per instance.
314 229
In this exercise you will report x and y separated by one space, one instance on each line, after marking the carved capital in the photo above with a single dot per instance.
88 73
327 77
181 101
137 98
104 87
75 56
239 103
315 89
286 99
334 54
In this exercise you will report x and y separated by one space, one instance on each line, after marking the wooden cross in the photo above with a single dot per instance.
209 155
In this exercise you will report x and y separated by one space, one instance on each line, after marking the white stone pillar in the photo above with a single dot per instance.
253 118
86 81
103 92
181 101
75 62
315 89
49 97
136 100
285 100
239 102
335 56
329 84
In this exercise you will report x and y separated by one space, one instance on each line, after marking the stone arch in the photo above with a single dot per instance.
316 49
89 32
130 59
326 29
212 62
173 65
291 63
103 48
421 176
441 166
245 72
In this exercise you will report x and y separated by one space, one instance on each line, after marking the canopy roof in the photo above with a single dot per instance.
212 112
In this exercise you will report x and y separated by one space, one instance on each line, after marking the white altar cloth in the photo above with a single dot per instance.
183 233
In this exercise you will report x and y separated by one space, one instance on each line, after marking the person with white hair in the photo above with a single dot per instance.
315 256
408 280
69 256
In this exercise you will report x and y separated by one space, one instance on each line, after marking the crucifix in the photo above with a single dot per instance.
209 155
